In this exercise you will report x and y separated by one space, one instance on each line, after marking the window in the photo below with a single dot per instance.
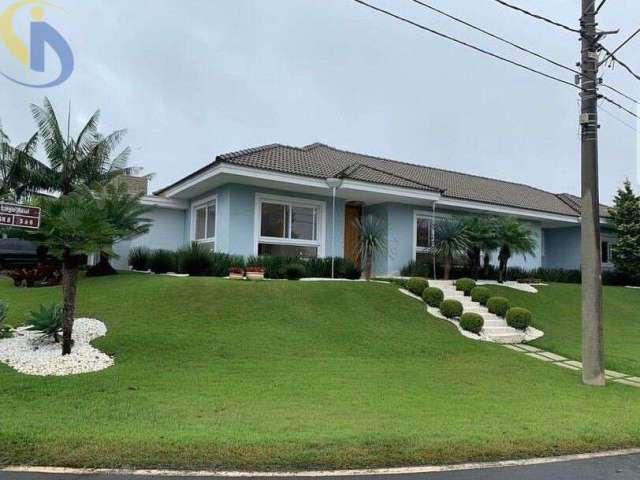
289 227
423 234
605 251
204 230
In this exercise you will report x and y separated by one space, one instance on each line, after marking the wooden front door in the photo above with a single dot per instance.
351 232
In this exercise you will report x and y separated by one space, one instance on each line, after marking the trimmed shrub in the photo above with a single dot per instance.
196 260
294 271
352 271
480 295
139 258
451 308
5 330
519 318
433 296
498 306
47 320
162 261
416 285
471 322
465 285
420 268
222 262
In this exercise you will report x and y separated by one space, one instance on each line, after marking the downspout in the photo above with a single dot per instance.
433 238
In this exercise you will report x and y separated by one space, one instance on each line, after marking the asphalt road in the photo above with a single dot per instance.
626 467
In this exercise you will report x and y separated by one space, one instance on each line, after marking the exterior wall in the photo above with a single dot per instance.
167 232
562 247
528 262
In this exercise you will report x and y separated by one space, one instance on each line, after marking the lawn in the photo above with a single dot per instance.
212 373
556 311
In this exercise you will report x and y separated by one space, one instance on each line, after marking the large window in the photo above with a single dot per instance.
204 218
288 227
605 251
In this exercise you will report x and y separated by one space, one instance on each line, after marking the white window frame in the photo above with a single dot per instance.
425 214
320 207
609 241
197 205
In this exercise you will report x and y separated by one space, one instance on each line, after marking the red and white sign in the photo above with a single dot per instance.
19 216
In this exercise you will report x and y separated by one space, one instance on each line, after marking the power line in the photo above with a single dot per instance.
620 46
621 63
599 6
615 117
519 47
468 45
539 17
612 102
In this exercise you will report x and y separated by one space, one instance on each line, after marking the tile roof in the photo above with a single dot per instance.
574 202
323 161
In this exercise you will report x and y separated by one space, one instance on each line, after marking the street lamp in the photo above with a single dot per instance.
333 184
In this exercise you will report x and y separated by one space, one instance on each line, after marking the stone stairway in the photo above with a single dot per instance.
495 328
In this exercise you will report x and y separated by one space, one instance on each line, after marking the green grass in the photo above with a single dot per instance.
556 311
212 373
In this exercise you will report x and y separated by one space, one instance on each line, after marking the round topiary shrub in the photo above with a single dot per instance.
465 285
472 322
498 305
433 296
519 318
481 295
416 285
451 308
294 271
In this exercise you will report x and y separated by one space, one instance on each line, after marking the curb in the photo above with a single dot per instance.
321 473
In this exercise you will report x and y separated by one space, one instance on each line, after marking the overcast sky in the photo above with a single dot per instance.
193 79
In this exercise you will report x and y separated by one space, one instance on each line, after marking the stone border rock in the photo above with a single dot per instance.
28 353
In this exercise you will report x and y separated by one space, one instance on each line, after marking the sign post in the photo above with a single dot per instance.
19 216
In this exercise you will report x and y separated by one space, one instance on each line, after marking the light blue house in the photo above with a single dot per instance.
279 200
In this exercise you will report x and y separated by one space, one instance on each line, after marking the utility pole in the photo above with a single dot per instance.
592 331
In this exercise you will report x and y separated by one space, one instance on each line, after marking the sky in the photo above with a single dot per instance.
191 79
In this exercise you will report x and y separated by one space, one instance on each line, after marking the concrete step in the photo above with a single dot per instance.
508 338
495 323
492 331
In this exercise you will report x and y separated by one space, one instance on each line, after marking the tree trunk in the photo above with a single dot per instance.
102 268
447 267
69 280
474 255
368 266
487 264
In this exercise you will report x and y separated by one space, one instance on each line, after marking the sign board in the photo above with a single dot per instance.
19 216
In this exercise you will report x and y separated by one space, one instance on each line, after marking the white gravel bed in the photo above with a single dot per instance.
28 353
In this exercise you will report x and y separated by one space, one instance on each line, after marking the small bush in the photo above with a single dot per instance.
519 318
465 285
471 322
433 296
498 305
420 268
352 271
47 320
481 295
139 258
451 308
416 285
5 330
195 260
294 271
162 261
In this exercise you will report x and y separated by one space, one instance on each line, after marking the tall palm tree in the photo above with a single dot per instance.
20 173
514 238
89 159
450 241
482 235
371 241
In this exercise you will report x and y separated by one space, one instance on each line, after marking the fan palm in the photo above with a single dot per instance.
371 241
482 235
81 223
514 238
89 159
450 241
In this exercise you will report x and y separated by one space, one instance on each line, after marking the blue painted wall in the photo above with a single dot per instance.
562 247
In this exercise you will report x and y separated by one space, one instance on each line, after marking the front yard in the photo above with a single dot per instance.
215 373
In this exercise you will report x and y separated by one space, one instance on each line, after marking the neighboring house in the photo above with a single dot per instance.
275 200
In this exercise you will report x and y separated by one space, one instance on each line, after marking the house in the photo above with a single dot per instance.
278 200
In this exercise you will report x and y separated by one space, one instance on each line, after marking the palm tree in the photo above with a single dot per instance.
481 232
81 223
371 241
20 174
87 160
451 240
514 238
